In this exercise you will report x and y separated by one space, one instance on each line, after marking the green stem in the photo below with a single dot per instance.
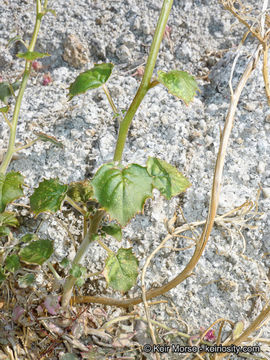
105 247
75 205
54 272
26 145
6 120
106 90
12 135
71 280
146 80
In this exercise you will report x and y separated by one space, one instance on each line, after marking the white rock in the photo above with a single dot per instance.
266 192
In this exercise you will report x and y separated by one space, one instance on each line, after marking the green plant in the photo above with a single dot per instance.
116 192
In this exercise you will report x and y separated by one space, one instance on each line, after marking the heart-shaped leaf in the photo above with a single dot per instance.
37 252
12 263
48 196
10 188
121 270
90 79
32 55
113 230
122 191
179 83
166 178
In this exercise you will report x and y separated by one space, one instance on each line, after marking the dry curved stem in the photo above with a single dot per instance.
146 307
216 186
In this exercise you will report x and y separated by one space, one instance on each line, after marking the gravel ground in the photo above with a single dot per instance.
203 39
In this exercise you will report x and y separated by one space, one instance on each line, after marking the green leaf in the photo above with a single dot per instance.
26 280
50 11
122 191
69 357
2 276
12 263
77 271
166 178
32 55
14 40
113 230
81 191
29 237
90 79
179 83
4 231
37 252
48 196
64 263
238 329
121 270
4 109
9 219
10 188
47 138
7 90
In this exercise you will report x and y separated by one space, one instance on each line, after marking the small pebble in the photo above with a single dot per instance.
145 27
261 167
239 141
266 192
203 125
267 118
250 106
136 24
123 53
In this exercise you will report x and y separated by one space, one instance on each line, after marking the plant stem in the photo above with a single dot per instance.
144 86
105 247
54 272
26 145
71 280
124 126
6 120
75 205
106 90
12 135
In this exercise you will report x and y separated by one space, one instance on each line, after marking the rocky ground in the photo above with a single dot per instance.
231 280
